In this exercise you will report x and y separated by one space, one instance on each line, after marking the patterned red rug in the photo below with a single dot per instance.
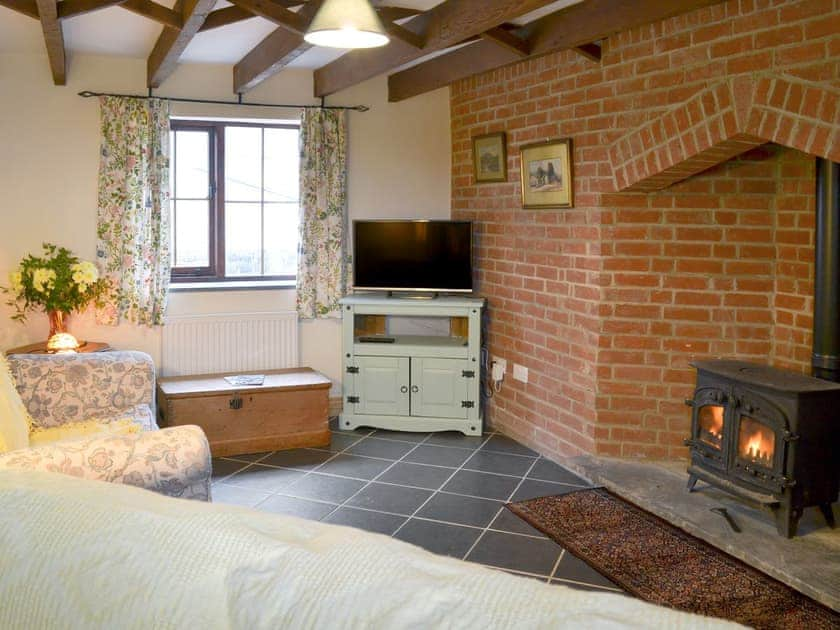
660 563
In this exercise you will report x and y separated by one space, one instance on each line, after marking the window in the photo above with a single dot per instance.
234 201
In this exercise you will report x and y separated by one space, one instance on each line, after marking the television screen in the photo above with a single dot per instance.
412 255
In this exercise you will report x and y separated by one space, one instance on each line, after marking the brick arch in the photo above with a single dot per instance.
723 121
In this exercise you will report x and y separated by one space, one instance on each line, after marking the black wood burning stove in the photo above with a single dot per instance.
767 435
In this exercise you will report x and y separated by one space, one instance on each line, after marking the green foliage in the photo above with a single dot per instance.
55 281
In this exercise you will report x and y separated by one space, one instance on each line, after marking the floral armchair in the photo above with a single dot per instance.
99 400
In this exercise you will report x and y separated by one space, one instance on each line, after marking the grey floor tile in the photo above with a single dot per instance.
573 568
503 444
264 478
355 466
438 456
401 436
586 587
299 458
361 431
533 488
520 553
547 470
324 488
386 498
463 510
406 474
449 540
293 506
479 484
456 438
502 463
386 449
340 441
367 520
507 521
225 467
234 495
249 457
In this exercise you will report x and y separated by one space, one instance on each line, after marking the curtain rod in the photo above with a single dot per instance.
355 108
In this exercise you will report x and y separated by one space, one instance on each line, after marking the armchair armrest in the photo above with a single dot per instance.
57 389
173 461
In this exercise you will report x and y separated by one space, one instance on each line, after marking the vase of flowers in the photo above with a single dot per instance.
57 283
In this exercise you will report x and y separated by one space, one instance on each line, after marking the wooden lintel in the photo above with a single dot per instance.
223 17
53 39
26 7
282 17
172 42
72 8
508 40
443 26
272 54
573 26
155 12
591 51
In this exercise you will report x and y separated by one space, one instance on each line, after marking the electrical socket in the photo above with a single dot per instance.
498 368
520 373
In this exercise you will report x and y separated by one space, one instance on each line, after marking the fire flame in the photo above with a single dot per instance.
716 426
758 446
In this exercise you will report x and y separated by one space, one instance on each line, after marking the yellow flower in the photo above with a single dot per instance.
16 281
43 279
85 273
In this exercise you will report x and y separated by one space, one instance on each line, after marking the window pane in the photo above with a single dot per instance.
192 234
243 168
282 157
242 239
172 150
192 161
281 239
172 228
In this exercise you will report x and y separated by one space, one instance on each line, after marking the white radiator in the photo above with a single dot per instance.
229 342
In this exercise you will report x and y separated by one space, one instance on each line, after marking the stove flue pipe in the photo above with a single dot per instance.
825 360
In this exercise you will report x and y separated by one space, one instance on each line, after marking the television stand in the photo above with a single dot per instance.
414 296
429 382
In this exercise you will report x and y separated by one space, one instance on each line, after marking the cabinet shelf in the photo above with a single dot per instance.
418 382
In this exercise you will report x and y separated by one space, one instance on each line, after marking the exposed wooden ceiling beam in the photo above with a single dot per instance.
391 14
508 40
282 17
155 12
403 34
72 8
54 39
172 42
272 54
573 26
27 7
223 17
591 51
443 26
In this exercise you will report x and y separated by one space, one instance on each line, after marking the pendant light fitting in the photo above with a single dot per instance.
346 24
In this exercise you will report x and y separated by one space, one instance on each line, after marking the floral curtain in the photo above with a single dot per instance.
322 277
133 217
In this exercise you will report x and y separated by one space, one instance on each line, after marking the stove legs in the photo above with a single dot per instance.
692 481
787 521
825 508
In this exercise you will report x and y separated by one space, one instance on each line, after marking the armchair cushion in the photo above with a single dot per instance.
14 419
174 461
71 430
58 389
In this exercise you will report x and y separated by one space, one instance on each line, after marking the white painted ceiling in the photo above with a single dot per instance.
118 32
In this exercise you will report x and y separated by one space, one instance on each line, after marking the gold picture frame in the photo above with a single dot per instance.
546 173
490 158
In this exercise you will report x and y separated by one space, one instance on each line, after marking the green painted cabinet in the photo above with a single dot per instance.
412 382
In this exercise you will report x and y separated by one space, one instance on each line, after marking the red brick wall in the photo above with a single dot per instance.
607 303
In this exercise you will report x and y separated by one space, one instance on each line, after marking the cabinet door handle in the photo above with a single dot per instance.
415 389
404 389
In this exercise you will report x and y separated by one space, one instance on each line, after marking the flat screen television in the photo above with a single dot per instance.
394 255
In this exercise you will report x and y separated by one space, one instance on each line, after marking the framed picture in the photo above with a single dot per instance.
546 171
490 158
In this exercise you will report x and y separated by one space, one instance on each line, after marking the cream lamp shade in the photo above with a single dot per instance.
346 24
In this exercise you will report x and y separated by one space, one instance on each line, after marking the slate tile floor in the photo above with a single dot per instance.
442 491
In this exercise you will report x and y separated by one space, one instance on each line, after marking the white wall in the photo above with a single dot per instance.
398 166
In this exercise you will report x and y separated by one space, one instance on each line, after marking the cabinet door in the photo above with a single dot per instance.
438 388
382 386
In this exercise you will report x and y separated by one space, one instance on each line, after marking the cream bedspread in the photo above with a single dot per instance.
87 554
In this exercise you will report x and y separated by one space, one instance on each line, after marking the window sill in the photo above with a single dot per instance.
253 285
